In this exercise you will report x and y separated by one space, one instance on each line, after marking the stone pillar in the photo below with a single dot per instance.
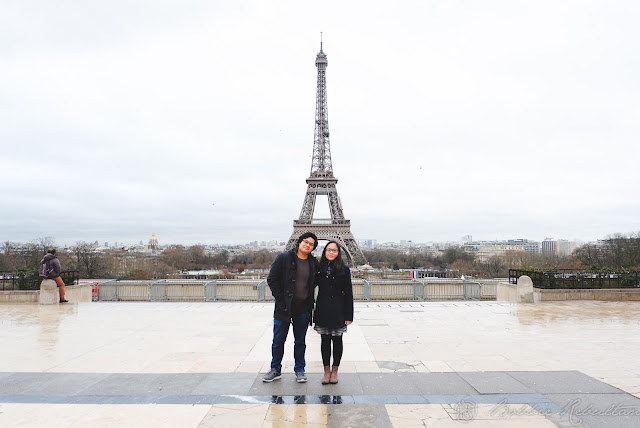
525 290
49 294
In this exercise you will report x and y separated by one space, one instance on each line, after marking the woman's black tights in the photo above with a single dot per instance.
325 348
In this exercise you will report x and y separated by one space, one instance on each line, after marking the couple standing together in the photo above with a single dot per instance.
292 279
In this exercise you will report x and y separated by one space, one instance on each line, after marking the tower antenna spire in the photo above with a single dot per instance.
320 41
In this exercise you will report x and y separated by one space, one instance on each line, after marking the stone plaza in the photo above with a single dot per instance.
406 364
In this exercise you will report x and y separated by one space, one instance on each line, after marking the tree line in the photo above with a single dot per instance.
91 263
616 252
464 263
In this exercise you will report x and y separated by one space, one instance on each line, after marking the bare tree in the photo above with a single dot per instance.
495 267
45 243
175 256
89 260
30 254
616 252
197 256
8 256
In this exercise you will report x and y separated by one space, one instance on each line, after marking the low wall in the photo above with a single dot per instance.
506 292
20 296
522 292
610 294
78 293
73 293
509 293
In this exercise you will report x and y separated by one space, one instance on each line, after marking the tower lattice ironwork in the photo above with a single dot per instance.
322 182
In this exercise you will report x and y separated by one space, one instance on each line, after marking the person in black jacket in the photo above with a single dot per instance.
292 280
334 308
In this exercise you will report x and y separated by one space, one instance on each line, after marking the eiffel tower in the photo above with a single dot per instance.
322 182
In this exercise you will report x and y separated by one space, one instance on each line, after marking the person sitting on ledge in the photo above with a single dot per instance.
54 268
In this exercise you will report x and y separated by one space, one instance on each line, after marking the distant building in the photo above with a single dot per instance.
153 242
484 250
549 246
433 273
368 244
565 247
558 247
532 247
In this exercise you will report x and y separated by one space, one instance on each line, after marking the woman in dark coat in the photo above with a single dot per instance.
334 308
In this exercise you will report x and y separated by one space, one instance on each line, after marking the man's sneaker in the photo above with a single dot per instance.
271 376
300 377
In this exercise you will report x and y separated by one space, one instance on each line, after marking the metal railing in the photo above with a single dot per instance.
258 290
184 290
577 279
322 221
424 289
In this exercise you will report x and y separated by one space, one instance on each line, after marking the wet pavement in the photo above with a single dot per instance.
433 364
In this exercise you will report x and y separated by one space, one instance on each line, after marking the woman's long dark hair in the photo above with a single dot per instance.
338 264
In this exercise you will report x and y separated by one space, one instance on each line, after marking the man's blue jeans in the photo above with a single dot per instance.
280 331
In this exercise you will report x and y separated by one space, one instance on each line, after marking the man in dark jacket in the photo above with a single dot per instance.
55 268
292 279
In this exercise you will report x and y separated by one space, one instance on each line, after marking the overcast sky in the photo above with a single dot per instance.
195 119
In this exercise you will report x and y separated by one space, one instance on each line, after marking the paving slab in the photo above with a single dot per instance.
550 382
495 383
61 383
440 383
388 384
131 384
225 383
374 416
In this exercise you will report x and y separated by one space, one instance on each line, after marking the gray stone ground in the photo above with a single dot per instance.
406 364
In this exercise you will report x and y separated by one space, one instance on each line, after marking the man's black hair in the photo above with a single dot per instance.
309 235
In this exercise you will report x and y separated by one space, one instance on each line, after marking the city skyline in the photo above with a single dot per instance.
497 120
368 243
